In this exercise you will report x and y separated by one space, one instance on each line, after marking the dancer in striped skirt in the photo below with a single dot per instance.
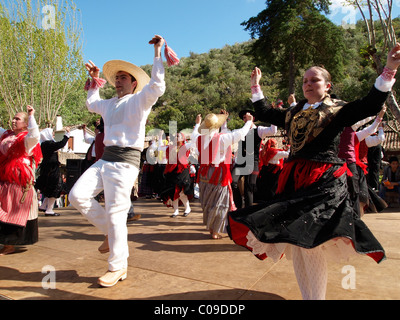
20 154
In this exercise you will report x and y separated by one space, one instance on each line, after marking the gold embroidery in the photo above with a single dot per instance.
302 126
308 124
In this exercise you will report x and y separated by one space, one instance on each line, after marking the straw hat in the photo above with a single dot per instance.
213 121
112 67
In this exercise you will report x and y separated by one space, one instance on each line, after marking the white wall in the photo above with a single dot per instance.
80 146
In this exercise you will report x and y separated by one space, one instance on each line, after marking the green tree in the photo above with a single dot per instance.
293 35
382 37
40 57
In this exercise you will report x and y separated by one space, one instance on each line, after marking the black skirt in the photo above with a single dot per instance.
175 183
50 182
17 235
306 218
267 182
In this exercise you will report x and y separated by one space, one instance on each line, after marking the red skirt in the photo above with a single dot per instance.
306 173
14 204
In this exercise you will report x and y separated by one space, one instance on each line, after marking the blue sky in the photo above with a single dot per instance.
121 29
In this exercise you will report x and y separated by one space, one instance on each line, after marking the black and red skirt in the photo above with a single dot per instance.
312 208
175 183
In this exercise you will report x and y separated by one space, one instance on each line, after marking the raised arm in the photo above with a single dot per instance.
33 136
238 134
264 111
158 42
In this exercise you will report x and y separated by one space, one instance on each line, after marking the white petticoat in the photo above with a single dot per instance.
337 249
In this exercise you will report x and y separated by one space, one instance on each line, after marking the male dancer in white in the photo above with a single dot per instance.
124 128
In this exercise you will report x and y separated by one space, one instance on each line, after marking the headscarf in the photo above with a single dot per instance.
46 134
269 151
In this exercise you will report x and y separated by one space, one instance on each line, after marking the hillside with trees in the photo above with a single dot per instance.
207 82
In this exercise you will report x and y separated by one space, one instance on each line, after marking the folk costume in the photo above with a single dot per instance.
214 176
19 156
161 162
361 149
247 162
146 186
370 154
311 216
271 164
374 158
96 149
178 186
117 170
50 181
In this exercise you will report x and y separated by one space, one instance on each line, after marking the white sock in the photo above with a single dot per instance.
43 206
185 202
175 205
311 272
50 205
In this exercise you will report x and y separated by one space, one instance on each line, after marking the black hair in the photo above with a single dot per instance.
393 158
100 127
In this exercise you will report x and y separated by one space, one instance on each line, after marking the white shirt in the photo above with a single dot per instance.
89 140
225 140
373 141
266 131
364 133
280 155
125 118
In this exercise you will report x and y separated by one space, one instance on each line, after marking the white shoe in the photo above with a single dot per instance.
187 211
112 277
175 214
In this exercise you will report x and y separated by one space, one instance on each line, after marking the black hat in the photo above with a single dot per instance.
243 112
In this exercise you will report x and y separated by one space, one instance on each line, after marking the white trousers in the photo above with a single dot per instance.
117 180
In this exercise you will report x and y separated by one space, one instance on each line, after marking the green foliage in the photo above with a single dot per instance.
294 35
40 66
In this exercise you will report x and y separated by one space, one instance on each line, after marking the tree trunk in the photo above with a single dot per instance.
393 106
292 75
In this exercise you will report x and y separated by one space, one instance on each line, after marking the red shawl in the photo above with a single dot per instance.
207 158
13 165
267 153
180 161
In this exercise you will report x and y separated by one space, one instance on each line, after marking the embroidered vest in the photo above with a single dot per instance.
303 126
346 146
